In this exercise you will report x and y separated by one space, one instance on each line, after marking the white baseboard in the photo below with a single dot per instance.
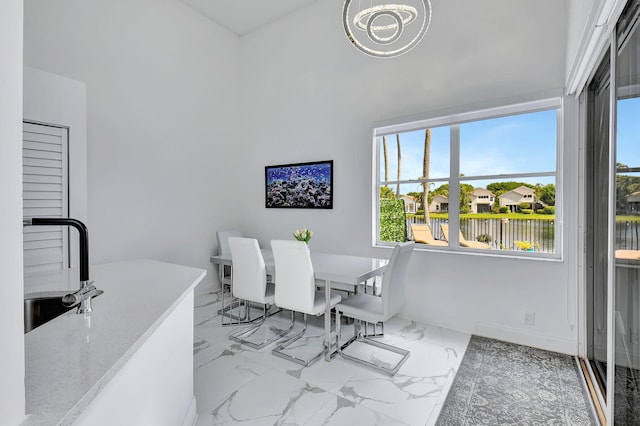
528 338
499 332
191 416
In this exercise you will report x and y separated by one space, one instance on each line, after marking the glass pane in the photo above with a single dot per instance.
628 211
413 147
396 210
627 229
524 143
424 227
516 215
597 214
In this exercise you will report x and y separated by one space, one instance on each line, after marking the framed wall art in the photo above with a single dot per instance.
300 185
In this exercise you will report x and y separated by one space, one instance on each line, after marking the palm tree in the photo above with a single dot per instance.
386 161
425 174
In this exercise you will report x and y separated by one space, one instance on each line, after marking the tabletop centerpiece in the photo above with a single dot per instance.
303 234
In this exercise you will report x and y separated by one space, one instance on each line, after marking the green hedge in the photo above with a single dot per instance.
548 210
527 211
393 225
504 209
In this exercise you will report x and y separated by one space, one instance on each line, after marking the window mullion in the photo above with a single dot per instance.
375 217
454 186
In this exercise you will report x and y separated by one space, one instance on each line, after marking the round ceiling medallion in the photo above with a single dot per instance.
386 30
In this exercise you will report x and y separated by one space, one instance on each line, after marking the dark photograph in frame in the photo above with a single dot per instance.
299 185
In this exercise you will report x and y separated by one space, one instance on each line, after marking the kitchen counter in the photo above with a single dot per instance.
70 360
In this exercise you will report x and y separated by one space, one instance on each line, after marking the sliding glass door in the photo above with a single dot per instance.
612 168
627 223
597 195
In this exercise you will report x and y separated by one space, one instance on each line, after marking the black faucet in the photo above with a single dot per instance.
82 297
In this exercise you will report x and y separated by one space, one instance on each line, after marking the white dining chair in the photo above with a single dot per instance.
225 274
224 271
376 309
250 285
296 290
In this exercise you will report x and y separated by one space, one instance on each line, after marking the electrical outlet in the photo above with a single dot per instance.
529 318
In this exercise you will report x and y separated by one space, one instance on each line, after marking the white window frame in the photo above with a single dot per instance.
454 121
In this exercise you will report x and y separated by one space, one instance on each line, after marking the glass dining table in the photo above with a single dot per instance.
330 268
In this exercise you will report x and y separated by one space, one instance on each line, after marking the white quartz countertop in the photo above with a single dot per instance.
70 359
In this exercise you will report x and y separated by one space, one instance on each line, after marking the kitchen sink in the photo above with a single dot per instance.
42 309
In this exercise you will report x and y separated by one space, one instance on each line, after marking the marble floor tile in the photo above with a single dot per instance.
206 308
330 376
235 384
339 411
273 398
407 399
222 374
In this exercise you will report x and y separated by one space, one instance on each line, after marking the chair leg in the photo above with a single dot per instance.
340 347
279 350
338 330
390 369
242 307
227 310
375 332
243 335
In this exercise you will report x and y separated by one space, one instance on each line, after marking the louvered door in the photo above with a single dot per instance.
45 194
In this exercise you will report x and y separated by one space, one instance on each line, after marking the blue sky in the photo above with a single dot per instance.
515 144
628 143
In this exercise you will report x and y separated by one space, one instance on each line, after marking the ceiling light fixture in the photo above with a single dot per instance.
387 29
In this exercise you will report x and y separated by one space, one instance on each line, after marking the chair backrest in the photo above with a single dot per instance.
422 233
445 232
295 281
393 279
224 271
249 271
223 240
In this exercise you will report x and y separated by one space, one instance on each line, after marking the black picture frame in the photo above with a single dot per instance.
299 185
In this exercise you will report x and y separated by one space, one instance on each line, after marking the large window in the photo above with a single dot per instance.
483 181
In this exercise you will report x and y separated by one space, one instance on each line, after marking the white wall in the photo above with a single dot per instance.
11 324
161 120
308 95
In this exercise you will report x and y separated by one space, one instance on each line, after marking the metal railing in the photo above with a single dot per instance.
500 233
627 235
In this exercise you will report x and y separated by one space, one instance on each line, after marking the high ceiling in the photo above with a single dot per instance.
244 16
